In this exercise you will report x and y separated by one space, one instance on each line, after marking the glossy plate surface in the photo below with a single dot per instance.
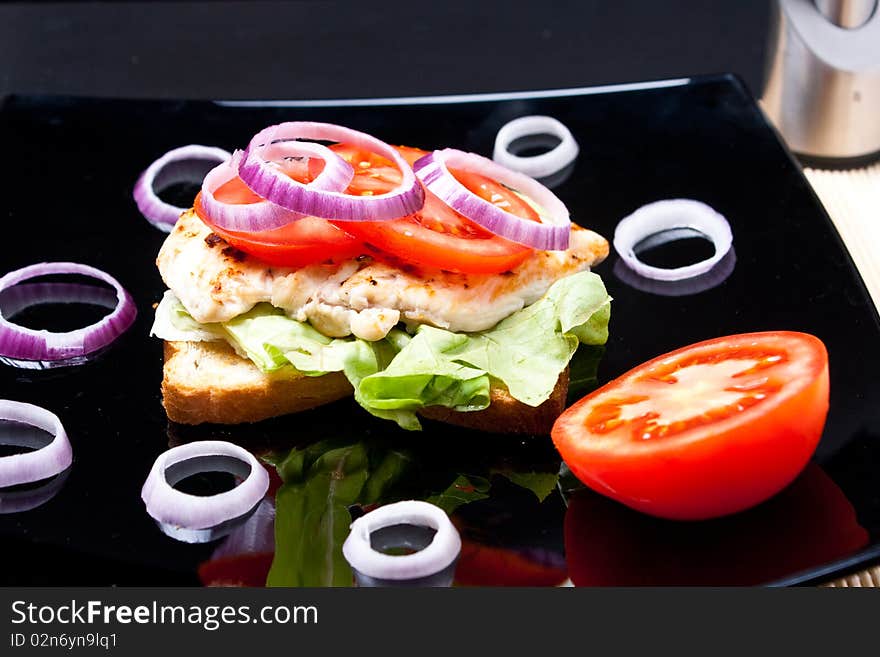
70 167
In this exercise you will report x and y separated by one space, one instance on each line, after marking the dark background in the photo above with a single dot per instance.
296 50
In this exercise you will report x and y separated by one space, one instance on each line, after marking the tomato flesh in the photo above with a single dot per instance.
704 431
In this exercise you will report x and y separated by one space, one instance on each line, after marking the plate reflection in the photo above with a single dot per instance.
809 523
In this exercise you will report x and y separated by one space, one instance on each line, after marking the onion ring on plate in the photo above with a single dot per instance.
536 166
41 463
266 215
159 213
667 215
372 566
271 184
48 348
433 171
195 518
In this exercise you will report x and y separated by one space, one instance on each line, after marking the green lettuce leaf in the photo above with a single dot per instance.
312 517
540 483
426 372
464 490
526 351
265 335
529 349
174 323
368 358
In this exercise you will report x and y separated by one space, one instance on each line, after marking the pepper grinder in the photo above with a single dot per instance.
822 88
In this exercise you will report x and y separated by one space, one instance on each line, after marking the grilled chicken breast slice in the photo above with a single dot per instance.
361 296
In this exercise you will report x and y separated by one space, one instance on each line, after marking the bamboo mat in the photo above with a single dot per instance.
870 577
852 199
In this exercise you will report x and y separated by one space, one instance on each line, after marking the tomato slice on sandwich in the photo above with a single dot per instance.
435 236
703 431
297 244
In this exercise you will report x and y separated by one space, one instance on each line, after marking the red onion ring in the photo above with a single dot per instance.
192 512
433 170
271 184
437 556
41 463
336 175
27 344
159 213
666 215
536 166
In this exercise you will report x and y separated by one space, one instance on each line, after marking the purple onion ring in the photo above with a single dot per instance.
265 215
271 184
28 344
159 213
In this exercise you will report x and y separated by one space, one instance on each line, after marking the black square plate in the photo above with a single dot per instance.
70 167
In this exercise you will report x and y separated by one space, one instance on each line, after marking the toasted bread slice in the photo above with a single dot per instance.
209 382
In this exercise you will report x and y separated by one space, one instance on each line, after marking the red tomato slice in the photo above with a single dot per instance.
704 431
297 244
436 236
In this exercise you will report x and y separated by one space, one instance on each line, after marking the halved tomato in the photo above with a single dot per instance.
704 431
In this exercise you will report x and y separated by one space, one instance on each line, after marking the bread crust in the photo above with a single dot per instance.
209 382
